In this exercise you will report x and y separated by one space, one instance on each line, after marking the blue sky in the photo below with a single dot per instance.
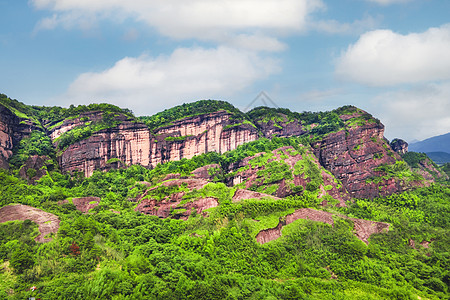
389 57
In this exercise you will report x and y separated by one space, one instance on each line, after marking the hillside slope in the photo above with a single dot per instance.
347 142
202 201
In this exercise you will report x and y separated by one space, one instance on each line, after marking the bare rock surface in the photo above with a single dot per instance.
84 204
363 229
164 208
206 172
242 194
48 223
270 234
399 146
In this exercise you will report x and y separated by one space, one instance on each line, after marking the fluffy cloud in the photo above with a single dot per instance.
382 57
417 113
198 19
149 84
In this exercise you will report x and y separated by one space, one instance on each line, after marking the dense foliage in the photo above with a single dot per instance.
44 115
128 255
185 110
414 158
115 252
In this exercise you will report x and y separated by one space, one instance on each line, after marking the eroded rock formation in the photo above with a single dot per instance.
353 153
199 134
128 143
12 130
48 223
399 146
363 229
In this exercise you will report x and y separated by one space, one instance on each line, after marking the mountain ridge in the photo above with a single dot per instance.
270 205
348 142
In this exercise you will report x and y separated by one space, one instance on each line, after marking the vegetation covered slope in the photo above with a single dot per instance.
115 252
121 249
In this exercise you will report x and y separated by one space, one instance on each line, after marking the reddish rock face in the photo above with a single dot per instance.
250 174
352 155
242 194
7 123
197 135
206 172
48 223
129 142
270 234
12 130
132 142
363 229
427 169
310 214
281 128
170 205
86 203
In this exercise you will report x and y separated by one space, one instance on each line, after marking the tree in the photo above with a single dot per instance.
22 258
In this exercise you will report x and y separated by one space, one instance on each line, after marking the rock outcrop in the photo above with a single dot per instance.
362 229
399 146
353 153
296 169
12 130
48 223
34 168
133 143
199 134
170 205
127 143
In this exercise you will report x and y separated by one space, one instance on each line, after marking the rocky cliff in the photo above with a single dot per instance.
12 130
199 134
125 144
347 143
353 153
132 142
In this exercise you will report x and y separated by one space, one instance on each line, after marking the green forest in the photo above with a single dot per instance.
115 252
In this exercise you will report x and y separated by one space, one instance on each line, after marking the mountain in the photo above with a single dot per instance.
204 201
439 157
348 142
439 143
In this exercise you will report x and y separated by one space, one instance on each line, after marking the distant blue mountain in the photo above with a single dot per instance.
439 143
439 157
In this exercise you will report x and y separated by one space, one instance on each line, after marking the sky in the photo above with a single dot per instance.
388 57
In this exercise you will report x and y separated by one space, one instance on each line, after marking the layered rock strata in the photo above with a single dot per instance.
199 134
133 143
12 130
127 143
353 153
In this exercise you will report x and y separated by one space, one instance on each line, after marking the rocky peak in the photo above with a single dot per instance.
399 146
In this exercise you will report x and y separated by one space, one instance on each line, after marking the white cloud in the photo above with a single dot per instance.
149 84
382 57
198 19
388 2
417 113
